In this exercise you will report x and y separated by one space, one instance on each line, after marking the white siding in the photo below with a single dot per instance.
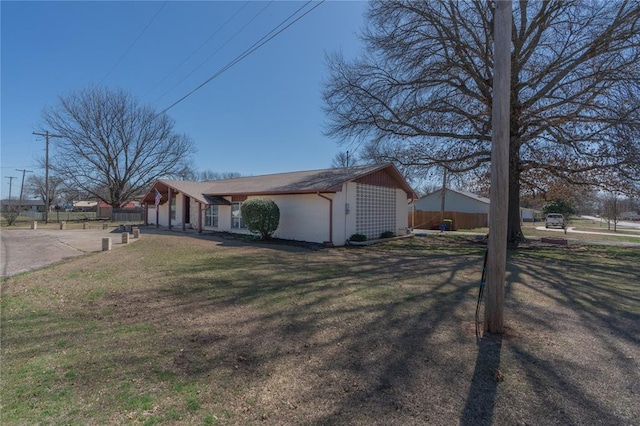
180 199
303 217
162 216
193 213
344 224
403 207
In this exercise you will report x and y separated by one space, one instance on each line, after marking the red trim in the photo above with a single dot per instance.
238 198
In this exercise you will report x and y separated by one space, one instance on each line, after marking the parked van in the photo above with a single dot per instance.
554 220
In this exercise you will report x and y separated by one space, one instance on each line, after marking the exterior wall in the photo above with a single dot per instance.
224 220
180 199
454 202
303 217
344 213
194 208
163 217
403 207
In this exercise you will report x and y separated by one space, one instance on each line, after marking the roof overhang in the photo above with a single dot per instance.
216 200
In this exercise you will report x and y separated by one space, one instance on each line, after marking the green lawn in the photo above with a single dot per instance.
183 330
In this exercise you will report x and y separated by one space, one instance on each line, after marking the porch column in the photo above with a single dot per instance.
185 200
199 217
169 195
145 211
158 216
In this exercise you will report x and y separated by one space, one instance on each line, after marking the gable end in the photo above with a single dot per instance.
379 178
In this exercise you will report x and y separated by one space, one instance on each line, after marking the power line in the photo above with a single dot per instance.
132 44
264 40
197 49
216 51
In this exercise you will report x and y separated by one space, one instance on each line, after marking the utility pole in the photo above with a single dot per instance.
501 114
22 187
11 178
47 135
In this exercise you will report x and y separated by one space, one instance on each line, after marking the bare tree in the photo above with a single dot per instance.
36 187
206 175
111 146
421 94
612 206
189 172
343 159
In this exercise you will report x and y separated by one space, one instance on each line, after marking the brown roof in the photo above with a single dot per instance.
312 181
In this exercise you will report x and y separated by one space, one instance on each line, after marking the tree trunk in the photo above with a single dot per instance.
514 229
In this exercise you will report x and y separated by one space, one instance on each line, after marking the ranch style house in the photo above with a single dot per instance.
322 206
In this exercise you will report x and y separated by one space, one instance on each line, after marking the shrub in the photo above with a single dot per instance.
387 234
261 216
358 237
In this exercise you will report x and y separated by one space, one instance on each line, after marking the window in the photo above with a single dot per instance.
173 209
236 216
211 216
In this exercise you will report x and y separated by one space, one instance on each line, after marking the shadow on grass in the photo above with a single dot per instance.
382 335
481 399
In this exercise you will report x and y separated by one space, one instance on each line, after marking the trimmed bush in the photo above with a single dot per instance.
387 234
261 216
358 237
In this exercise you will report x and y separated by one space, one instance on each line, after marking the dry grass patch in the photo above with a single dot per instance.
176 329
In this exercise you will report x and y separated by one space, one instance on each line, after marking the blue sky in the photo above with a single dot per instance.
264 115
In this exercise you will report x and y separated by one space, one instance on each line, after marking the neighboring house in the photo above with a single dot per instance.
454 201
466 202
319 206
85 206
106 211
26 205
530 215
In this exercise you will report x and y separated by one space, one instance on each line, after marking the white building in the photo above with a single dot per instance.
320 206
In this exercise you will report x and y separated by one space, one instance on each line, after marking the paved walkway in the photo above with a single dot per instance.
27 249
571 230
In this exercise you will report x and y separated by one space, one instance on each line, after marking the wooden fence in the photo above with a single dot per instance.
128 216
431 220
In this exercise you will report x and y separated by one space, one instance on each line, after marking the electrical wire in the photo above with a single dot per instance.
264 40
214 53
198 48
132 44
483 281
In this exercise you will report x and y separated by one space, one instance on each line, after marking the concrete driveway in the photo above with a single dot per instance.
27 249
